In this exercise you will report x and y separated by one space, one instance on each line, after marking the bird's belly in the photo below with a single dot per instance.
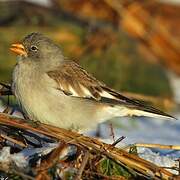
51 106
40 105
58 110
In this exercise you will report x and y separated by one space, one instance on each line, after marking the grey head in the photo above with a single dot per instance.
40 50
39 46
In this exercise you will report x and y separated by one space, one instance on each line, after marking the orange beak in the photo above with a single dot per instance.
18 49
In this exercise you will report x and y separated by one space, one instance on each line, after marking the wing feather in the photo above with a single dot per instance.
75 81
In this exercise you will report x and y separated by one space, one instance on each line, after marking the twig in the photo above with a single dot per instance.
118 141
160 146
13 140
172 168
8 110
6 86
5 92
120 156
43 176
24 176
83 165
52 159
42 171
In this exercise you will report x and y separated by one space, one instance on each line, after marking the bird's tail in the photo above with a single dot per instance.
142 110
121 105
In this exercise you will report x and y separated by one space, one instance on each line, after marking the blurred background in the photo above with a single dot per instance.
131 45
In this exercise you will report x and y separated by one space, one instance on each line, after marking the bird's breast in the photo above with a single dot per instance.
25 83
36 94
23 78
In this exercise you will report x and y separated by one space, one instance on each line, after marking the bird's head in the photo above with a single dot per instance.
37 47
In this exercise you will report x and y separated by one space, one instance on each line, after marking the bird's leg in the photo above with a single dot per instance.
98 134
8 109
34 124
25 116
112 132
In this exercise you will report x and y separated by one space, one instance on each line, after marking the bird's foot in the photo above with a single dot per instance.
34 124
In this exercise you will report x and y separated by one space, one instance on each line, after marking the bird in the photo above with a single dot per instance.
55 90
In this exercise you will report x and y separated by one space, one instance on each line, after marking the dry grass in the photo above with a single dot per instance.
89 146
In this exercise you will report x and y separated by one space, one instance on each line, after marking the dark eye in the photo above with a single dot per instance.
34 48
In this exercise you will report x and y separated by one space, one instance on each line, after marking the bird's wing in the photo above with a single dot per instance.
75 81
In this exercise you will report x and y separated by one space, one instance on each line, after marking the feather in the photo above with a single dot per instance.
75 81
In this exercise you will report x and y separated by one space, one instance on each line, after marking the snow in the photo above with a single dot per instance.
21 159
158 159
146 130
5 155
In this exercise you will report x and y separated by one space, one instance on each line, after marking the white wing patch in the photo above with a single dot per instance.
86 92
107 95
73 92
